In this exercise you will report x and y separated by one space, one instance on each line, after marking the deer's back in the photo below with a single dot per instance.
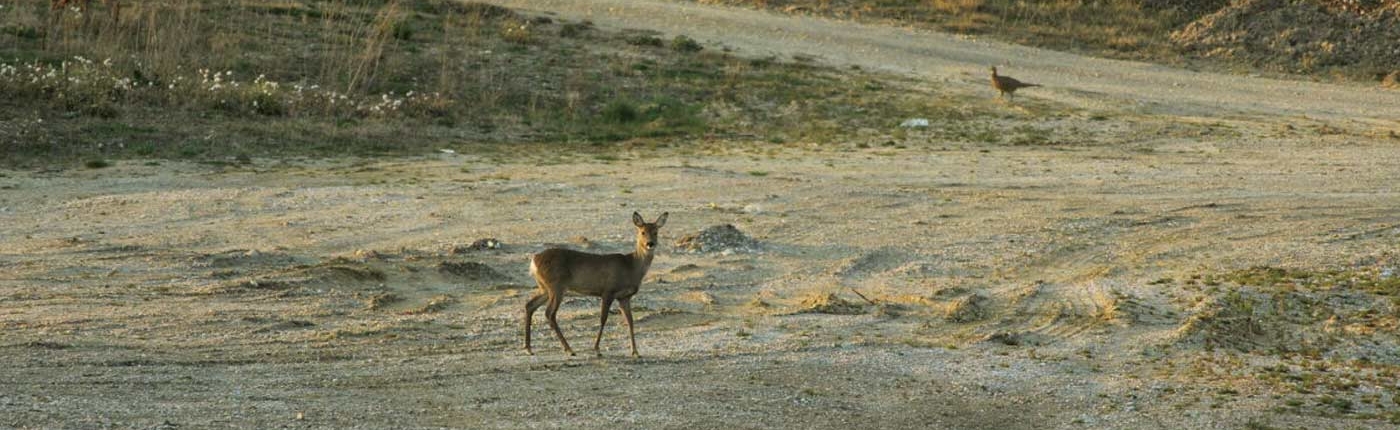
585 273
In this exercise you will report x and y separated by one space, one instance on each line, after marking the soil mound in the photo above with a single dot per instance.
968 309
830 304
471 271
244 258
478 245
718 238
1294 36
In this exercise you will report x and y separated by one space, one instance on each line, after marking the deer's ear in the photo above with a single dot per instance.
661 220
637 219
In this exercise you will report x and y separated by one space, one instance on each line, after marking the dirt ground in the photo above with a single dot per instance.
928 284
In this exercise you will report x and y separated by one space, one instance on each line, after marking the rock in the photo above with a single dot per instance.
914 123
478 245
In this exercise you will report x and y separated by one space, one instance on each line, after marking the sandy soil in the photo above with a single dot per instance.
937 285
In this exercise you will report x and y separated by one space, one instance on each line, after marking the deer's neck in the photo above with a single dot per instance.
641 259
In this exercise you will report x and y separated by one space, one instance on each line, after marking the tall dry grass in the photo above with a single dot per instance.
170 37
327 57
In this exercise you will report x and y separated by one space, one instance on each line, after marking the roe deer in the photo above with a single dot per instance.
611 277
1008 85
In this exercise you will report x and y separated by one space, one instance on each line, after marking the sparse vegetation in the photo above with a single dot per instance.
1376 280
852 270
1346 39
1328 334
683 43
213 89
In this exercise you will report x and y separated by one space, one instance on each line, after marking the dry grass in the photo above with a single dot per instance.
228 80
970 308
829 303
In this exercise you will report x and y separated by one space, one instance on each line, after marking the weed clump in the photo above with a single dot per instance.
471 8
517 31
620 112
683 43
967 309
574 29
645 40
22 31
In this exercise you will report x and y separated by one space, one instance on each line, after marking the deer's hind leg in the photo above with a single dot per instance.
551 312
533 304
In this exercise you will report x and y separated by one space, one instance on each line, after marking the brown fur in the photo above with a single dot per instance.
610 276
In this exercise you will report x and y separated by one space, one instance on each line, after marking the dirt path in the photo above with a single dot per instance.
1167 272
180 296
1083 81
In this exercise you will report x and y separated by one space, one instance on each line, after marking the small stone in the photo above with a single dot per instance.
914 123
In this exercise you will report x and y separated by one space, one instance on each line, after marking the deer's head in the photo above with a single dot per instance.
646 231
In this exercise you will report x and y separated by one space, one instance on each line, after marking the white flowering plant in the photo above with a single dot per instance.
80 84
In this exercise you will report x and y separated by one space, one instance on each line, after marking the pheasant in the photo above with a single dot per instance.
1008 85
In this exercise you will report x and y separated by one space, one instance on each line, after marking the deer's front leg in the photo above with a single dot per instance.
626 305
602 323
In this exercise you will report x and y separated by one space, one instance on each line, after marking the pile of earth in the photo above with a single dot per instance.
1357 37
724 238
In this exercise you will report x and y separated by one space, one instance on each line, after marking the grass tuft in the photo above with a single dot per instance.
683 43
